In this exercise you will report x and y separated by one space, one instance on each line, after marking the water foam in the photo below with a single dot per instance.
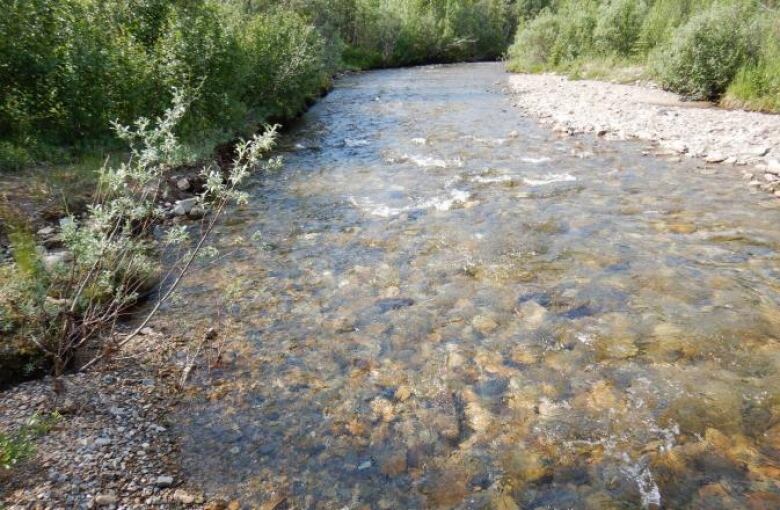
549 179
490 179
355 142
439 203
535 161
643 477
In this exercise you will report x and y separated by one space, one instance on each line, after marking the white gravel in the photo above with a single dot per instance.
715 135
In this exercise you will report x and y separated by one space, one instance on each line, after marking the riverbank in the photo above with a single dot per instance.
681 129
110 445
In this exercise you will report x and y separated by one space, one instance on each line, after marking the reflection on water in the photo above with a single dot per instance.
446 306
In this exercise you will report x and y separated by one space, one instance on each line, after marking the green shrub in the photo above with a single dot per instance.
576 21
534 43
285 63
528 9
18 446
619 25
757 84
58 303
706 53
13 157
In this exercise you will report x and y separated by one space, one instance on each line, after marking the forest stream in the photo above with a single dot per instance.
439 303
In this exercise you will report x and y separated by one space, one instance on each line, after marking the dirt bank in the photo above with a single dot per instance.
717 136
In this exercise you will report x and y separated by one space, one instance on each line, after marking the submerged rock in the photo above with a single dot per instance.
532 313
478 418
484 324
383 409
618 341
388 304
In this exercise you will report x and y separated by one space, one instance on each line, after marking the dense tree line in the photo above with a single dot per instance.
71 67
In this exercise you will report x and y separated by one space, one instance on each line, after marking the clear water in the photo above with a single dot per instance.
443 305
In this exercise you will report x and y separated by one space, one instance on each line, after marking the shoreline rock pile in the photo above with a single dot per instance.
694 130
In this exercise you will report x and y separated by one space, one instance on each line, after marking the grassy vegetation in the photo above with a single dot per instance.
726 50
17 446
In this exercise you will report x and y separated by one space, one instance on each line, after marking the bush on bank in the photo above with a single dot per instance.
702 49
69 68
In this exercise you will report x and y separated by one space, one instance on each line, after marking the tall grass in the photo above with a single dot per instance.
703 49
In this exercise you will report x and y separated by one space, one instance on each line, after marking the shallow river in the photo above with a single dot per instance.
437 303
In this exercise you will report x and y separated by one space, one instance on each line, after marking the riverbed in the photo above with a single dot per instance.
439 303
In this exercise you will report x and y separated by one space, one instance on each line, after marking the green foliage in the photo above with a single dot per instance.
698 48
57 305
13 156
577 22
285 63
706 53
69 68
528 9
757 84
554 38
533 47
618 26
18 446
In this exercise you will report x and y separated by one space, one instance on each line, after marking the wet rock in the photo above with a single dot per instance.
523 465
491 388
713 404
484 324
183 207
274 503
183 184
388 304
443 417
532 313
392 292
454 359
669 342
618 340
502 501
478 418
715 157
183 497
163 481
446 489
772 438
344 325
383 409
601 397
106 499
524 354
394 464
403 393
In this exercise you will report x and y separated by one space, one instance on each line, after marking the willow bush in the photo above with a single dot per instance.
703 49
70 68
